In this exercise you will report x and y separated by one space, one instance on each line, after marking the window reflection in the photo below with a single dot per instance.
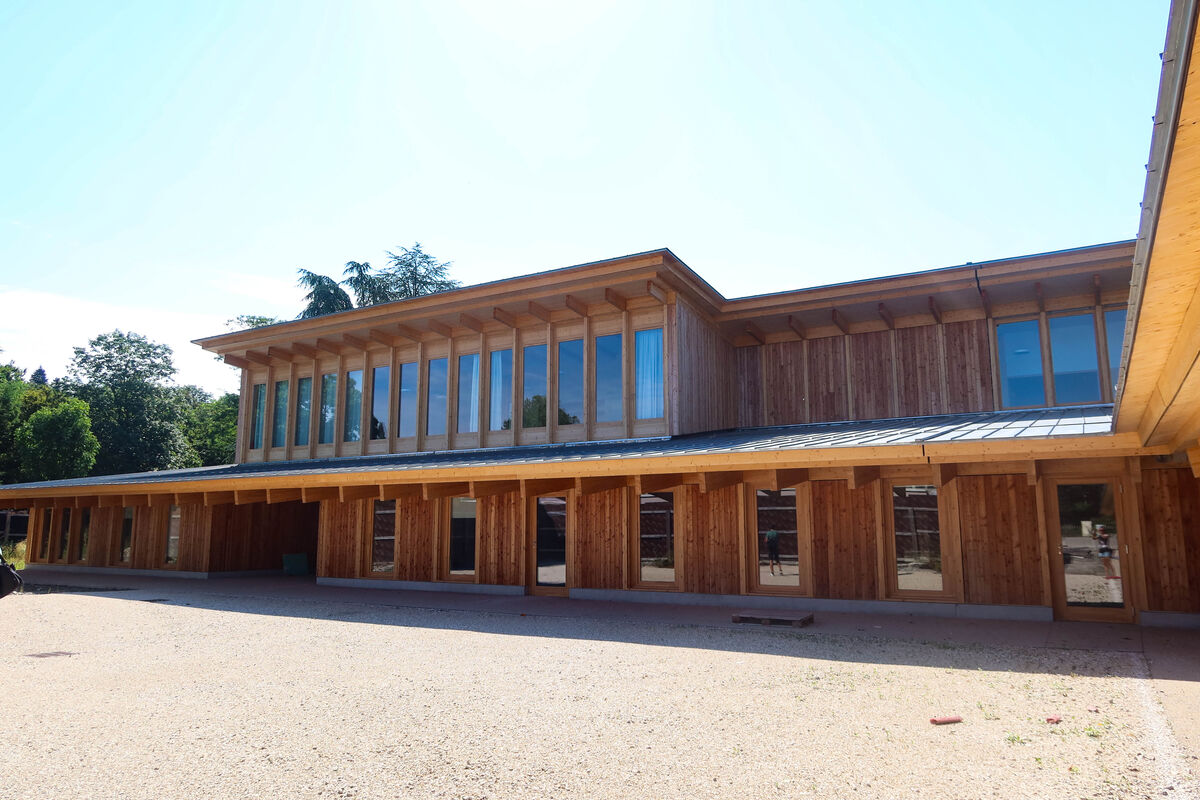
648 373
468 393
258 412
500 404
778 554
303 410
352 417
918 538
551 541
1073 356
570 382
407 414
383 537
533 382
656 537
1087 519
1114 329
380 379
279 415
1019 349
328 409
609 383
462 536
435 424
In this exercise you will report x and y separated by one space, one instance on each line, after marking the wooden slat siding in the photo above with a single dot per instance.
709 538
827 386
705 359
150 537
919 371
783 383
844 548
599 531
871 372
968 367
257 535
340 531
1000 548
416 524
1170 500
195 525
501 531
749 386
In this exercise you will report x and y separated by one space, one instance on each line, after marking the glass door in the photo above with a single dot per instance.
1089 582
550 545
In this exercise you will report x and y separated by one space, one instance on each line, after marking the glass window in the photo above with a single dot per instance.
570 382
380 376
126 535
468 393
352 417
47 532
435 424
1073 355
1087 519
1019 349
648 373
533 382
279 415
173 536
303 411
1114 329
328 409
462 536
918 538
656 537
608 378
500 416
407 420
383 537
85 527
64 533
257 414
551 541
778 554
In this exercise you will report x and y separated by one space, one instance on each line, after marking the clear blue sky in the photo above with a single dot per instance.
166 166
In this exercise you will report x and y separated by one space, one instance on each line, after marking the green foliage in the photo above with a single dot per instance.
325 295
210 428
11 392
415 273
14 554
38 378
244 322
57 442
411 272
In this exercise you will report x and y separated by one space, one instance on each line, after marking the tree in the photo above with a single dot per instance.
57 442
325 295
244 322
210 426
38 378
410 273
415 273
369 288
11 392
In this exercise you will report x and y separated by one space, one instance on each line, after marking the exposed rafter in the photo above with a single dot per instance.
934 311
886 315
616 299
440 328
354 341
656 291
796 327
755 332
840 322
540 311
504 317
467 321
576 305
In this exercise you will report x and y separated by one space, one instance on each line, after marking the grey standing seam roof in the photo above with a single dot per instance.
944 428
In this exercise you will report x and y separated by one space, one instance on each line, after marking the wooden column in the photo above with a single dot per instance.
268 411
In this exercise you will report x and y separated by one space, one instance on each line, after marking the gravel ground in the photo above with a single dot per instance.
237 697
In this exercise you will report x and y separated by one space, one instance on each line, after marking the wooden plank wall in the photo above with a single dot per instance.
501 539
1000 540
705 359
195 528
919 365
827 383
968 363
600 531
257 535
416 544
749 387
783 388
872 375
342 529
707 536
1170 503
844 547
149 537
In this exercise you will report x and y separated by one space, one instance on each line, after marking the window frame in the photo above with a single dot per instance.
678 518
1101 354
368 568
633 371
446 507
948 543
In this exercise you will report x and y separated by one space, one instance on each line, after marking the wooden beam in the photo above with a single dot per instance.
376 335
440 328
790 478
886 316
304 350
504 318
86 501
1193 455
944 473
317 493
544 486
840 322
861 476
326 346
161 500
1134 465
934 311
657 292
1032 471
646 484
258 358
755 332
489 488
540 311
242 497
110 501
354 341
594 485
467 321
236 361
433 491
1041 297
64 502
394 491
407 332
218 498
1096 289
348 493
284 495
986 302
796 327
280 354
576 305
615 299
712 481
189 498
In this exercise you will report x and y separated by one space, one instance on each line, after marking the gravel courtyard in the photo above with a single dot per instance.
190 695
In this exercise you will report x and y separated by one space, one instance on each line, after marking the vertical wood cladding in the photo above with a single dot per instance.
195 526
827 389
707 398
149 537
783 383
968 367
599 534
501 545
341 530
1170 506
871 374
1000 547
918 371
257 535
749 386
416 542
843 531
709 539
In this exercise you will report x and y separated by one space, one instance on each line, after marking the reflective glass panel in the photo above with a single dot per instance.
609 382
533 382
126 535
462 536
500 401
47 533
173 536
918 538
303 411
85 528
383 537
656 537
1019 350
279 415
258 412
407 421
435 423
468 393
380 377
778 555
1076 364
328 409
352 417
648 373
570 382
552 541
64 533
1087 517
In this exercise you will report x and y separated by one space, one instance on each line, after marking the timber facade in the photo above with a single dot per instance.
1016 438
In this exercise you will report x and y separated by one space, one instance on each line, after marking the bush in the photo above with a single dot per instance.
14 554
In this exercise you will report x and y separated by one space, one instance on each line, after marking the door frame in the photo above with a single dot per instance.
531 584
1126 533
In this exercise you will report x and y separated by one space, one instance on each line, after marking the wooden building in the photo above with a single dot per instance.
1017 438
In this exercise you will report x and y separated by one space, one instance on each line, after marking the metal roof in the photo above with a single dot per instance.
941 429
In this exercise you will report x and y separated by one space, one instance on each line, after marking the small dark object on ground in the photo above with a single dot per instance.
945 720
797 619
51 654
1054 720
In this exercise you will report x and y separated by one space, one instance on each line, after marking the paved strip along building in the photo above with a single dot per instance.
1018 438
